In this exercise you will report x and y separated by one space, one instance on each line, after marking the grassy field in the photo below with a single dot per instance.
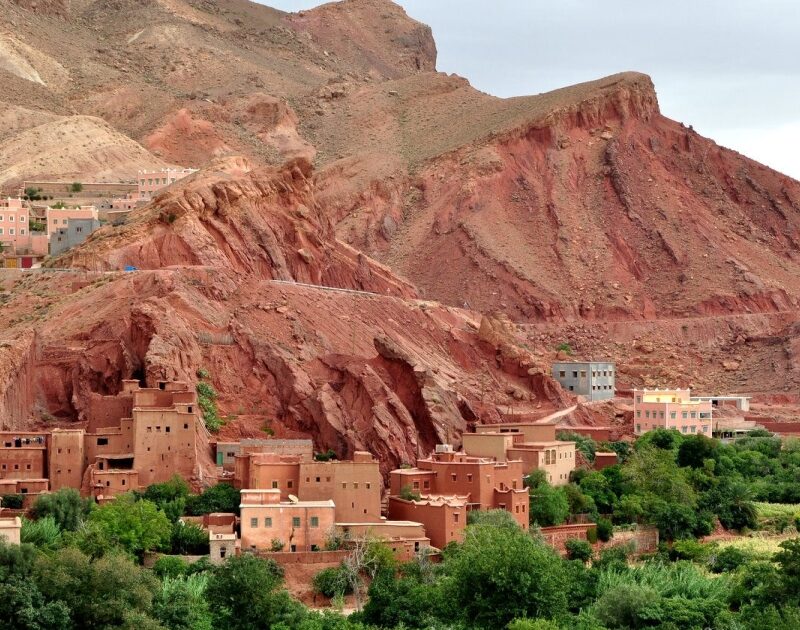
776 510
760 546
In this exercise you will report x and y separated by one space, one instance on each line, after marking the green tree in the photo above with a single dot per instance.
694 450
23 607
578 550
188 538
180 604
245 593
66 507
110 592
596 485
136 526
548 506
493 518
44 532
222 497
499 574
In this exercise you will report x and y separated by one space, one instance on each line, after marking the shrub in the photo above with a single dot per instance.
207 400
332 581
12 501
691 550
276 545
605 530
67 508
203 373
188 538
727 559
591 535
220 498
76 187
578 549
564 347
407 493
43 532
326 456
170 566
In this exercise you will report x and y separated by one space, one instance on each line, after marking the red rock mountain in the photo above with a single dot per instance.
348 263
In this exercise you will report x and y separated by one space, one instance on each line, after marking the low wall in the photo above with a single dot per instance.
305 557
780 427
643 539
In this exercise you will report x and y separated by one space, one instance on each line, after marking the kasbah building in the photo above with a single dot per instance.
289 501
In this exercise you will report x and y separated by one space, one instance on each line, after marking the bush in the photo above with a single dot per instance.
12 501
276 545
578 549
207 400
220 498
591 535
407 493
66 507
605 530
170 566
189 539
564 347
332 581
727 559
691 550
44 532
76 187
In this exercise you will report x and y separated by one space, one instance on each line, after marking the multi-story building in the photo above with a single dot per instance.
150 182
73 234
56 218
226 452
13 222
593 379
139 437
444 517
354 486
294 525
670 409
483 483
535 445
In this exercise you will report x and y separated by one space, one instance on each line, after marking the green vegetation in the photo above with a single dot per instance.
12 501
327 456
207 399
76 187
565 348
408 493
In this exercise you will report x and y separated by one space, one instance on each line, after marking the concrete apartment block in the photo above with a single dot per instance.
593 379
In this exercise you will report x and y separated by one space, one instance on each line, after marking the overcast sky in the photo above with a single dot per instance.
731 68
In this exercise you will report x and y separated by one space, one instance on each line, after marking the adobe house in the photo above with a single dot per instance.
225 452
150 182
486 482
671 409
594 380
354 485
404 538
535 445
443 517
23 455
298 525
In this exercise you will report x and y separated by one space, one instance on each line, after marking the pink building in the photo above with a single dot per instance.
59 217
670 409
14 224
150 182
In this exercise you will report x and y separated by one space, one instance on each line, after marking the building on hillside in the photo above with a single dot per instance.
56 218
29 489
23 456
404 538
670 409
592 379
443 517
742 403
486 483
150 182
604 460
225 452
354 485
158 441
16 238
268 522
73 234
139 437
534 445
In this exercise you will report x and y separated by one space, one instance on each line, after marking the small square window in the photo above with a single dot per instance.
268 521
253 522
295 521
314 521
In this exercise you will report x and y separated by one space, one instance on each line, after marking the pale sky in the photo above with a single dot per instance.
730 68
